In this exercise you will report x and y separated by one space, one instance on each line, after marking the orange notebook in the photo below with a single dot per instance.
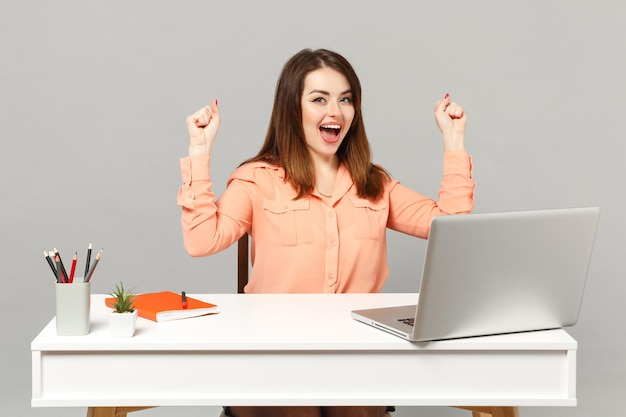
167 305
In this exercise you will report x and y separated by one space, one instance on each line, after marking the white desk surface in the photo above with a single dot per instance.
296 349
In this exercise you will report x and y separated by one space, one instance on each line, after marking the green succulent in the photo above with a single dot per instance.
123 299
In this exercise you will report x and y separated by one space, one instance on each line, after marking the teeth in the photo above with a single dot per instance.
331 127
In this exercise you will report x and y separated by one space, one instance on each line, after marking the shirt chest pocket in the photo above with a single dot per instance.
370 218
290 222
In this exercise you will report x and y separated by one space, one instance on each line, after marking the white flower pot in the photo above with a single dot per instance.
122 324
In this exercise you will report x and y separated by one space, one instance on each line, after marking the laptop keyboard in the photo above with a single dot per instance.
409 321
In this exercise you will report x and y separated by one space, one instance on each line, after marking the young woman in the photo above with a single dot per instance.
314 204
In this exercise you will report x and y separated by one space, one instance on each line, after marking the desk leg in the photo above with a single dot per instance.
493 411
112 411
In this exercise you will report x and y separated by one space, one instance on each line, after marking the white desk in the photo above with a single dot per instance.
295 350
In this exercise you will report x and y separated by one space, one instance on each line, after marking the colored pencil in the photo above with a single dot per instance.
60 278
49 260
93 267
88 260
73 269
65 277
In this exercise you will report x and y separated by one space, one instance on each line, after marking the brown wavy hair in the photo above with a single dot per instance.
285 145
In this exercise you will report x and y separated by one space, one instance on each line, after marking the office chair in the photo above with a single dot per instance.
242 263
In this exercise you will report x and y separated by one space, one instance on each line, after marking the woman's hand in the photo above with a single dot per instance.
202 127
451 120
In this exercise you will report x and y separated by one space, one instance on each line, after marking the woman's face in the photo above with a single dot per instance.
327 111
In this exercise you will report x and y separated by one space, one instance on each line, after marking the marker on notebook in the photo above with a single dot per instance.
184 299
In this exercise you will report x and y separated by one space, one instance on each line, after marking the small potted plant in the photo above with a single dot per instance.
124 316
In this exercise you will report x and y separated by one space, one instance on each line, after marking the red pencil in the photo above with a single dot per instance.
73 267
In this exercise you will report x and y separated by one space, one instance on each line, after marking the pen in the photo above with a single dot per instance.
54 270
64 275
93 267
88 260
184 299
73 268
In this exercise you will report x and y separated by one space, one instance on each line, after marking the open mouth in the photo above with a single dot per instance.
330 132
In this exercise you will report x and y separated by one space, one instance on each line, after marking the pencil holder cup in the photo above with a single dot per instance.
72 308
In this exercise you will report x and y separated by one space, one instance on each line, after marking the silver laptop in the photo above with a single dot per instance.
497 273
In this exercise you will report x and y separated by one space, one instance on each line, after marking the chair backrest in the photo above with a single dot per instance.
242 263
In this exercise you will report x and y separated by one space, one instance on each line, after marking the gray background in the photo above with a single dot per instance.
94 96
